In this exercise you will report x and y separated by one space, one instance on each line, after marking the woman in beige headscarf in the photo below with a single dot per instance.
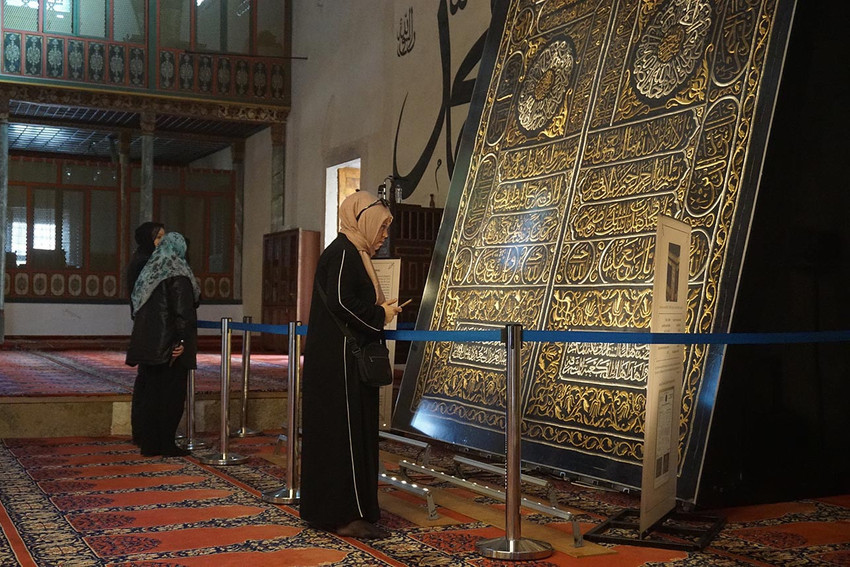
339 461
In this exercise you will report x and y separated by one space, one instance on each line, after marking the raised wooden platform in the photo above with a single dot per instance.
51 392
62 416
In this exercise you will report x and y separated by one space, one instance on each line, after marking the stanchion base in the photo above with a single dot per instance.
514 550
194 445
222 459
244 432
282 496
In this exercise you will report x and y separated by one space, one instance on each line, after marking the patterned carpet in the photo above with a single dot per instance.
88 501
103 372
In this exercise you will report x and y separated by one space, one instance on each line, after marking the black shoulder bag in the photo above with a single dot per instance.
373 358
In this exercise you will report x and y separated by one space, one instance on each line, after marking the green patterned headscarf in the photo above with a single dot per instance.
167 261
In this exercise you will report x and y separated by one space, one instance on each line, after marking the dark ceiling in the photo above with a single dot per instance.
92 133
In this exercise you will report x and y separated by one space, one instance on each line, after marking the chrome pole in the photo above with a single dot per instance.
291 492
243 430
189 442
223 457
513 547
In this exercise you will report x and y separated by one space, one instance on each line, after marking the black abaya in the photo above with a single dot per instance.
339 461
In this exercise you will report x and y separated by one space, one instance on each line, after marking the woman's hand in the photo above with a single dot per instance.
176 351
390 310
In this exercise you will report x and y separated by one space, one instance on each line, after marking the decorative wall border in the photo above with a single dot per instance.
242 111
22 284
97 63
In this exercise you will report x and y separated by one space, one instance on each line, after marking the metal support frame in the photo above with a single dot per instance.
688 531
412 488
244 430
189 442
408 485
487 491
223 457
424 448
290 493
551 493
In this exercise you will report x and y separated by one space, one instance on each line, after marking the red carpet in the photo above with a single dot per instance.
103 372
96 501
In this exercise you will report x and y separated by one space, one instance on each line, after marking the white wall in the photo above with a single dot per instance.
82 319
347 95
257 203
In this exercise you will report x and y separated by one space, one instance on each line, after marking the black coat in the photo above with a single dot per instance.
339 459
168 316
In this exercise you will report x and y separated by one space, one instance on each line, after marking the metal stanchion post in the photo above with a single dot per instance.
189 442
291 493
223 457
243 430
513 547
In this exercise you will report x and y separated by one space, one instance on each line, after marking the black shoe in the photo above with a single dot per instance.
176 451
361 529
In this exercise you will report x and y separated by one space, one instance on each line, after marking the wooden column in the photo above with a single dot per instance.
278 196
125 223
238 153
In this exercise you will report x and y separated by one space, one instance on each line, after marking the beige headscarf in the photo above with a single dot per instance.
364 233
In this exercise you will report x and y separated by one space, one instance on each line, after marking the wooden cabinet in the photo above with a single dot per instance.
289 264
413 235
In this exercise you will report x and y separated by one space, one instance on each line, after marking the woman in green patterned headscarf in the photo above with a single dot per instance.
164 344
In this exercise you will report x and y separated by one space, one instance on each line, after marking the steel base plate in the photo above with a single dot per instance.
193 446
222 459
514 550
282 496
244 432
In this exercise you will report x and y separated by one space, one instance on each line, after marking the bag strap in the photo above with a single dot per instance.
355 348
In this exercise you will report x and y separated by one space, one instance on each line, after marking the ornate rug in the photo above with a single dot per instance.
96 501
103 372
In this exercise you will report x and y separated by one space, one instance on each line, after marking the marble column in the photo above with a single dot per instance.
148 123
125 223
4 201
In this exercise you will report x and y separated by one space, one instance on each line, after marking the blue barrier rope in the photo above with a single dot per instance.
495 335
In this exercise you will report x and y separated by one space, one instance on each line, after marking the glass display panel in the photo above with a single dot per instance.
73 223
20 15
208 181
32 171
16 225
103 231
93 18
174 23
166 179
44 219
238 26
271 27
98 175
58 17
186 216
208 34
221 234
128 21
